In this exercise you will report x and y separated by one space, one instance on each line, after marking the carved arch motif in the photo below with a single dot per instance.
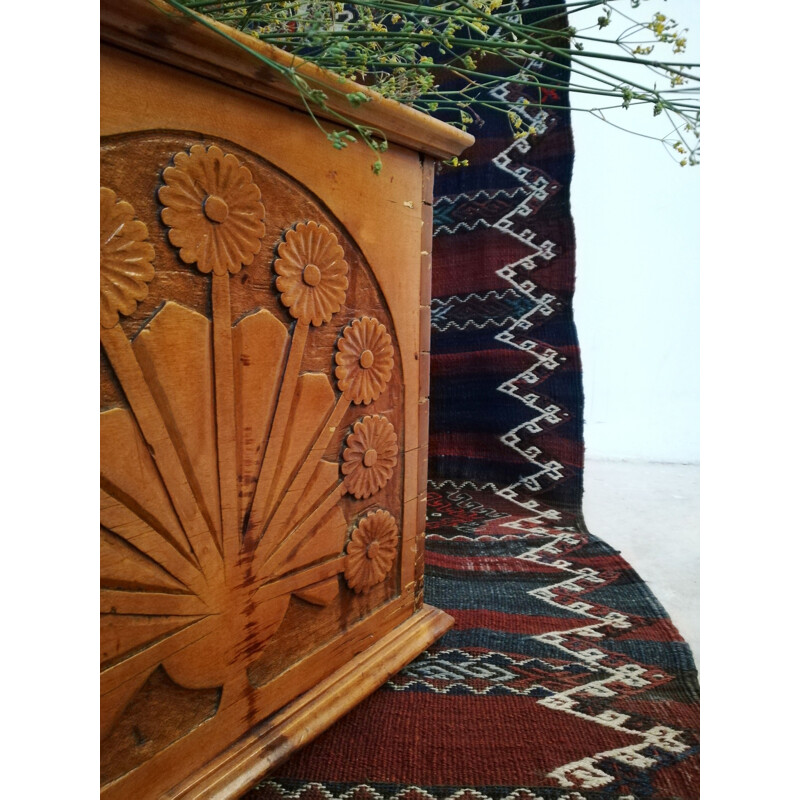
219 497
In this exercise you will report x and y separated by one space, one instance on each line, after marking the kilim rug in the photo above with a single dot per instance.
563 678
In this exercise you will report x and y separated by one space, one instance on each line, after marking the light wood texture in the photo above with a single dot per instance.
154 29
360 201
272 742
426 269
371 550
263 450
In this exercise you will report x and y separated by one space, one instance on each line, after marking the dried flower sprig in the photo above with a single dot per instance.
453 59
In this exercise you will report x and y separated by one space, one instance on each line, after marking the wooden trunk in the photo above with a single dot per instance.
265 313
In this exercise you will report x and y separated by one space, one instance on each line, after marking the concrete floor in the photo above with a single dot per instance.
651 514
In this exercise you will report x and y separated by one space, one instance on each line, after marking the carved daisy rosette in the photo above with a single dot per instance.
126 258
365 360
312 273
370 456
213 210
371 550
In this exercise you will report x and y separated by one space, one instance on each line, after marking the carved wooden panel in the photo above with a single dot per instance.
252 466
265 338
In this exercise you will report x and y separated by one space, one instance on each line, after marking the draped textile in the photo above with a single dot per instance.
563 677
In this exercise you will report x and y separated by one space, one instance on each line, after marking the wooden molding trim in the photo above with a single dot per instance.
155 29
270 743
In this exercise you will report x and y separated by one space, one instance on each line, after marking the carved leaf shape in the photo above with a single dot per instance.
175 354
175 357
260 344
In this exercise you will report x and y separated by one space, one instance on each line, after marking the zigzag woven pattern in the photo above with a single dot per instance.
563 678
502 330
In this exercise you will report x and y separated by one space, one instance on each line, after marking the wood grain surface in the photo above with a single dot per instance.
263 415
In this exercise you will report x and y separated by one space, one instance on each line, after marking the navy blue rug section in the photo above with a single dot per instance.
506 392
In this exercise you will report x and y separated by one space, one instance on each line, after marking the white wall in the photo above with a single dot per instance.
637 227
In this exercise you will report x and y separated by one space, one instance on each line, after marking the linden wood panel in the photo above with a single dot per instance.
194 319
263 378
154 29
272 742
376 210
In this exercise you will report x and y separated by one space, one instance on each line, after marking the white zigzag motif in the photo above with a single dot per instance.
460 226
542 304
458 487
492 294
527 529
549 360
534 525
406 793
517 492
585 773
528 345
509 537
441 307
482 195
550 414
453 669
536 188
437 667
510 272
532 506
517 439
539 184
439 311
507 225
539 188
466 502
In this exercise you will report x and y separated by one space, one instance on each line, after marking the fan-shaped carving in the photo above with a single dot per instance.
218 502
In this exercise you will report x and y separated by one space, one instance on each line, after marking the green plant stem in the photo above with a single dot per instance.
534 46
528 47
